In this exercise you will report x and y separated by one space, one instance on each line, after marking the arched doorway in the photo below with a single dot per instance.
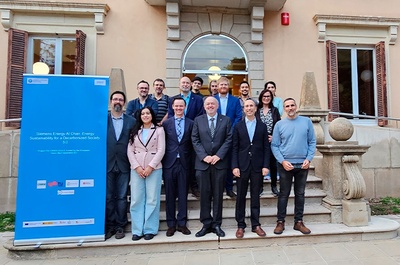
212 56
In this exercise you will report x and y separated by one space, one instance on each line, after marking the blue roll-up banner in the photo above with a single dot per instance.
62 163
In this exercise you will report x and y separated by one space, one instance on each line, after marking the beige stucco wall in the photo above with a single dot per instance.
292 50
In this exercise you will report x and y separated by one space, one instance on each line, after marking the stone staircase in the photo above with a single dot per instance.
316 217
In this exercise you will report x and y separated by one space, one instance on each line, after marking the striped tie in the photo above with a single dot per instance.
179 129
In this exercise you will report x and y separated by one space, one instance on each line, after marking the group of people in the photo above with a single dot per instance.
203 142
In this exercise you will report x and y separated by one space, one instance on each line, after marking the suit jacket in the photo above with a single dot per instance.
116 149
256 152
173 146
233 109
194 109
134 105
205 145
149 153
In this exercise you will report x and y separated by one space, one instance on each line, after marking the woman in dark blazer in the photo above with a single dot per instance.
269 115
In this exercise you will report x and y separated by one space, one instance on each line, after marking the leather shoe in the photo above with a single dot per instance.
148 236
196 193
120 233
184 230
204 231
109 234
299 226
231 194
240 232
259 231
218 231
280 226
170 231
274 191
136 237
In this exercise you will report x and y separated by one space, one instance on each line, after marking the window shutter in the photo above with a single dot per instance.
333 80
381 82
80 53
16 65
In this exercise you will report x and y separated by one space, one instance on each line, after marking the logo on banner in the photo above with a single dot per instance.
40 184
55 184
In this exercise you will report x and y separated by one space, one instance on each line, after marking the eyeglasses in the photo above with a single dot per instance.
292 105
266 96
118 99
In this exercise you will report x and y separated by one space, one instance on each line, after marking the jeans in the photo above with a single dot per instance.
285 181
116 203
145 202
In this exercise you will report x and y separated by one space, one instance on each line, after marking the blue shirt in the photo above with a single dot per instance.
187 99
224 103
135 105
251 127
118 123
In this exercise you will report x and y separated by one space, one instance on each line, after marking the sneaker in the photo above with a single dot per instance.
299 226
120 233
280 226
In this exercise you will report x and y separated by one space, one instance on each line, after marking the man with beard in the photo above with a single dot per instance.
293 145
142 101
244 89
197 83
118 167
213 88
162 100
228 106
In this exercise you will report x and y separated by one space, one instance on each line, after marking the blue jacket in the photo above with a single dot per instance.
233 109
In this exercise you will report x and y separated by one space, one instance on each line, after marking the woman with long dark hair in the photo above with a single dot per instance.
146 148
269 115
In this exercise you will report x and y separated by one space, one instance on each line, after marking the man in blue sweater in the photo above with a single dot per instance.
293 145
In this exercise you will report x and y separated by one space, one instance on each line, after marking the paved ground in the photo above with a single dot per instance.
366 252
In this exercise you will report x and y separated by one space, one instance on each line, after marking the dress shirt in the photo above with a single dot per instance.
215 120
118 123
251 127
181 125
187 99
224 103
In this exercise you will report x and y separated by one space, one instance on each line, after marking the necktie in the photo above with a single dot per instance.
212 127
179 130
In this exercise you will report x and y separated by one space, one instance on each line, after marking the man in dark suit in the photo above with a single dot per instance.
212 140
176 164
194 108
118 167
228 106
250 162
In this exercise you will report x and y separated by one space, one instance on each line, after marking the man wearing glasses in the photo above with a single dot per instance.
118 167
293 145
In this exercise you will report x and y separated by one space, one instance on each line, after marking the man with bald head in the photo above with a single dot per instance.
194 108
212 140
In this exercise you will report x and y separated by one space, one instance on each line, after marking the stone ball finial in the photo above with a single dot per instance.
341 129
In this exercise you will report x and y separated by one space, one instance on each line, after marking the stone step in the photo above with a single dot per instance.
313 213
377 229
266 199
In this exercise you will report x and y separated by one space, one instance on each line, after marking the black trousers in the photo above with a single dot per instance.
242 183
211 184
176 187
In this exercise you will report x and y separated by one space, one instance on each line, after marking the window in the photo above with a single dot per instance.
357 81
52 32
212 56
57 53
